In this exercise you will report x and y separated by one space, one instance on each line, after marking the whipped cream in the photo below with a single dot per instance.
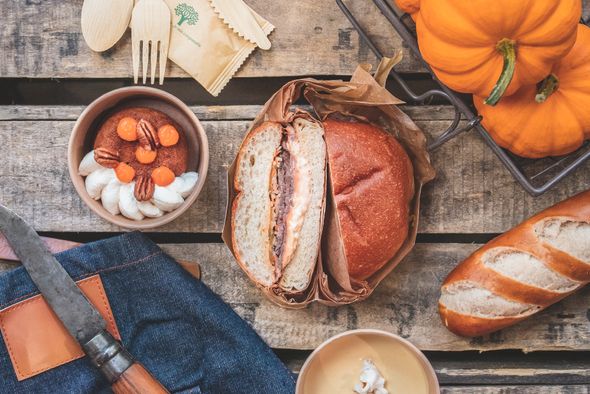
118 198
371 380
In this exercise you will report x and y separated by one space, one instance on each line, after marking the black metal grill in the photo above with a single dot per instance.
535 175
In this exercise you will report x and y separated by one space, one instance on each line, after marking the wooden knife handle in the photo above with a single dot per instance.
118 366
137 380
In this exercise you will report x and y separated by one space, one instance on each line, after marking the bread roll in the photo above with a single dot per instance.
521 272
372 184
276 215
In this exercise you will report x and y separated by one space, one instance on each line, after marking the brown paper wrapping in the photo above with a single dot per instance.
365 99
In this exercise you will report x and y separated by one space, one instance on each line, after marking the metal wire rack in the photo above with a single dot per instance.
535 175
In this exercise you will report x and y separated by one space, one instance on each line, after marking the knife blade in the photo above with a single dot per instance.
74 310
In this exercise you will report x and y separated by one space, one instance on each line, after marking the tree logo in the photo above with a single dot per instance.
187 14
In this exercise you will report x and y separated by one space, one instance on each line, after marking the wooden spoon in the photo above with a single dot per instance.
104 22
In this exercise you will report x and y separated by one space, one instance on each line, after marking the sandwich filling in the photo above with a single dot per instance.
290 195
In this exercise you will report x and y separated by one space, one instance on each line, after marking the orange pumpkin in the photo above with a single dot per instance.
409 6
551 120
492 48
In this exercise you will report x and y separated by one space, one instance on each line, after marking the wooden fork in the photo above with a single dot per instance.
150 24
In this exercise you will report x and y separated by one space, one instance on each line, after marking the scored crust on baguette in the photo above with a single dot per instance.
526 268
566 235
521 272
468 298
285 253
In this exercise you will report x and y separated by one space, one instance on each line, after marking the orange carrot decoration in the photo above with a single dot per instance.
145 156
125 173
168 135
127 129
163 176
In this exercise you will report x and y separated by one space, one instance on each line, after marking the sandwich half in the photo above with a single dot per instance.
277 213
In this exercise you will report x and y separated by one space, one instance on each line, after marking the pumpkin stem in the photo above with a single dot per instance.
548 86
507 48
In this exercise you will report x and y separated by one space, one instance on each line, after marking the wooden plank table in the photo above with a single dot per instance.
46 62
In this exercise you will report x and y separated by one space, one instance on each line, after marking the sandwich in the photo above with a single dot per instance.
277 212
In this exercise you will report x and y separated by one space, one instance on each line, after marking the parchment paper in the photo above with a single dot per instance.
365 99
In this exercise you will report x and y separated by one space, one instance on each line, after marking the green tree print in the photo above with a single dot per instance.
186 13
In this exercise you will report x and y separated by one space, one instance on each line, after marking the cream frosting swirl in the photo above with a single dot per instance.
118 198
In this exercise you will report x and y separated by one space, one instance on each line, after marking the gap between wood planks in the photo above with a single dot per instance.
491 368
189 238
243 91
512 389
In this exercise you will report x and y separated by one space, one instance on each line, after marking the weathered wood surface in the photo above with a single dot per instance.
473 192
405 303
210 112
558 389
42 39
496 368
518 374
499 373
295 325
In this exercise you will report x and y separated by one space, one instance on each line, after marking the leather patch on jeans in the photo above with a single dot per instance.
37 341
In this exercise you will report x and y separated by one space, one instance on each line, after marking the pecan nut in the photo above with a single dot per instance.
106 157
147 135
144 188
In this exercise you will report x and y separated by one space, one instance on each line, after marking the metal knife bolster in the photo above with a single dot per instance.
107 354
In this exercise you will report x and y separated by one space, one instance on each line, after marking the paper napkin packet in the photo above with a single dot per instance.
210 39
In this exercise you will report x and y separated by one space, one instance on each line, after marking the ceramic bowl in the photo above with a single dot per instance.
86 128
335 366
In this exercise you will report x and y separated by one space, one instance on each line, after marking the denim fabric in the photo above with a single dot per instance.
173 324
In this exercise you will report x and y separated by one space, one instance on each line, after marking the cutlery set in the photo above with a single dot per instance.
105 21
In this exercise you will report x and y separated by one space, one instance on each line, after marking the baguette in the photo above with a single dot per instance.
521 272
